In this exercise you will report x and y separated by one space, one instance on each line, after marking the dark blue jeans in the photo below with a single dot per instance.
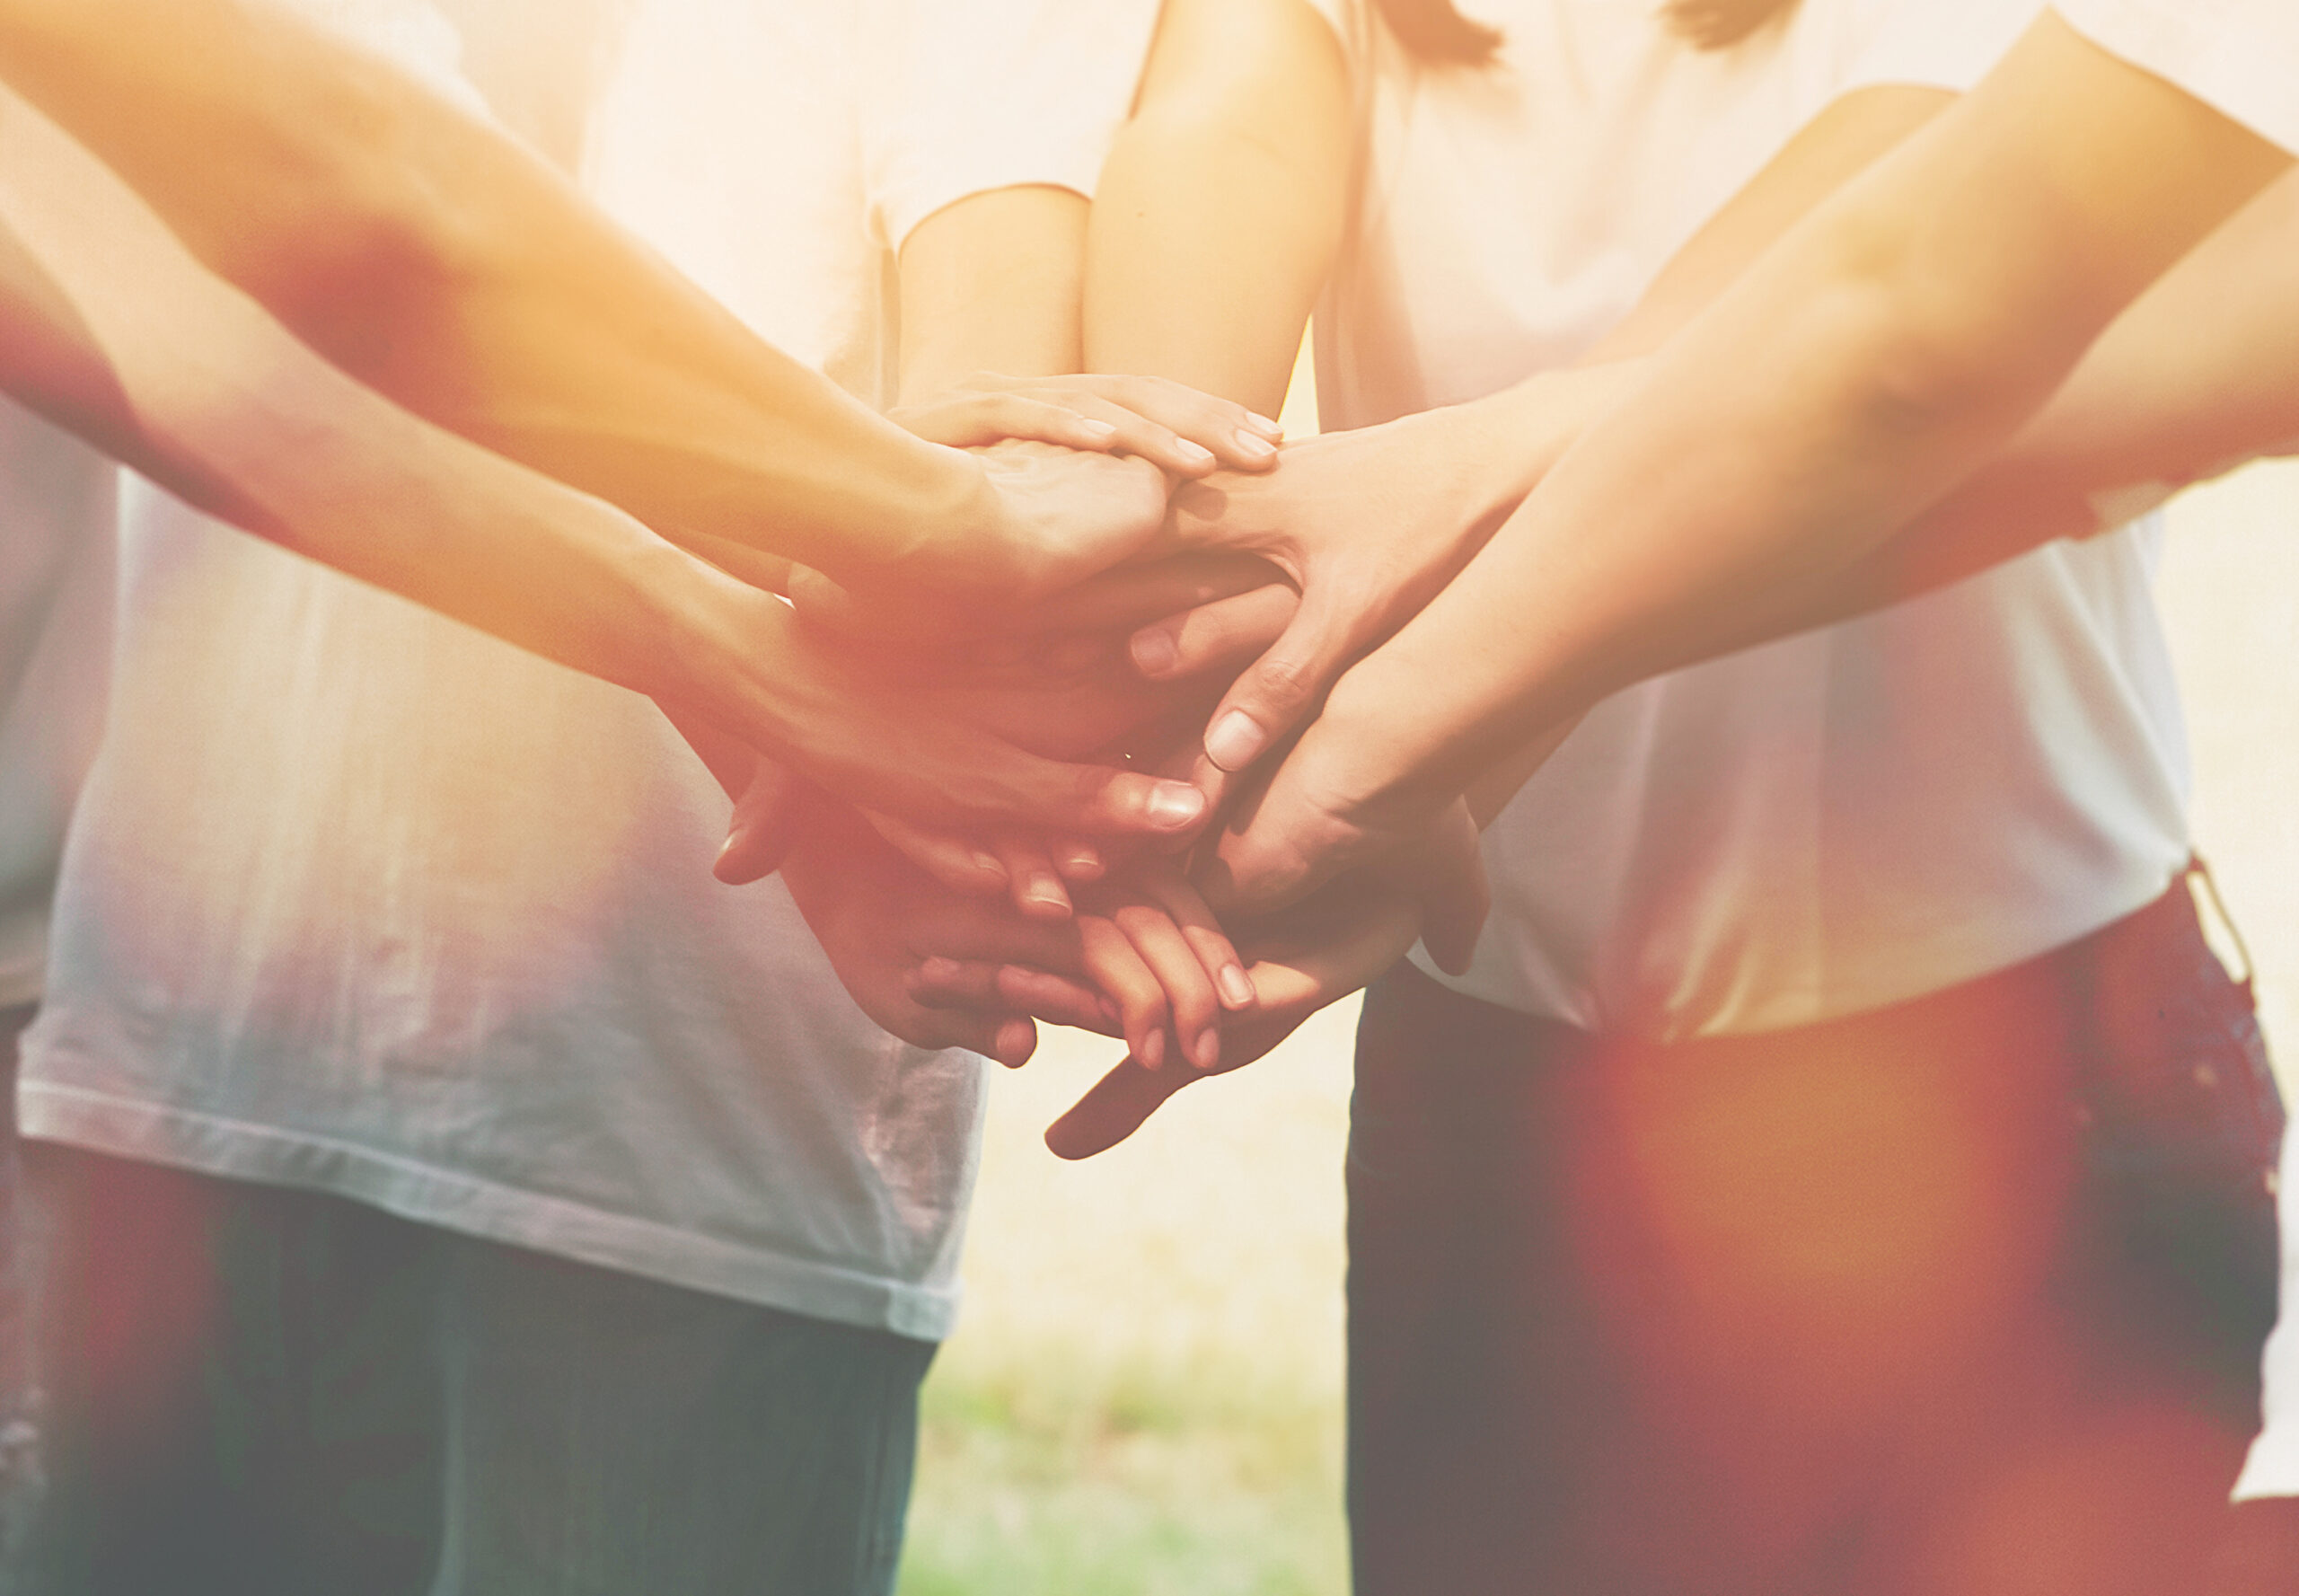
1966 1295
260 1392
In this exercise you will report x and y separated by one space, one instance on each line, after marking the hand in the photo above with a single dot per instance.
1156 965
1049 517
1334 805
874 738
1319 954
1178 429
1369 526
920 961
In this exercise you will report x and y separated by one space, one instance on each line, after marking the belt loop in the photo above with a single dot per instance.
2196 870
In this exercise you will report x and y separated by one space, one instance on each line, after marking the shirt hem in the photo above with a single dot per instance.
205 1144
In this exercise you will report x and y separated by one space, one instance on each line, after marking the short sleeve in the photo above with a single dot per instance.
2238 57
1940 44
961 99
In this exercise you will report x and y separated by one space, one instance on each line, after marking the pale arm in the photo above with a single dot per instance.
439 261
1900 336
117 333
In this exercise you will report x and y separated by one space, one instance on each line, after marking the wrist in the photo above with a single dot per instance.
1526 429
943 498
726 653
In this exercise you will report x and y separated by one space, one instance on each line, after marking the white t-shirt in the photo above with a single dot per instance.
1831 823
2238 57
55 568
364 900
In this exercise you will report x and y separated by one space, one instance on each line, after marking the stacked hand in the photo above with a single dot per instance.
1201 930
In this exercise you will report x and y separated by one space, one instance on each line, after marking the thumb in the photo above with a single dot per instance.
1115 1106
765 823
1278 691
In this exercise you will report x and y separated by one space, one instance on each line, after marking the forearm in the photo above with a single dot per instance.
2192 381
435 259
1901 335
1221 207
117 333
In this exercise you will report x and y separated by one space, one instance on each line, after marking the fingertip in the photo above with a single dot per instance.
1172 805
1041 898
1236 987
1014 1040
1150 1053
1254 451
1261 424
1235 741
1154 652
1205 1050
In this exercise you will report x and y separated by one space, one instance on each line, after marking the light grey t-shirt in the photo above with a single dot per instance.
55 568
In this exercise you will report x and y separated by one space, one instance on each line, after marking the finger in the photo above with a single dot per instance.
1136 594
942 983
1078 859
1195 1007
1056 999
766 823
1163 447
1223 634
1120 972
1455 896
980 419
1009 1038
1278 691
1115 1106
947 776
1215 953
1035 884
1232 435
956 861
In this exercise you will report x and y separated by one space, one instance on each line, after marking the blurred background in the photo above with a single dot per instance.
1144 1397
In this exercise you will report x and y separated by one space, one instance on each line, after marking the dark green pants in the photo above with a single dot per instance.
261 1391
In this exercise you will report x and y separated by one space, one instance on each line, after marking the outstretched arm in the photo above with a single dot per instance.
429 255
116 332
1900 336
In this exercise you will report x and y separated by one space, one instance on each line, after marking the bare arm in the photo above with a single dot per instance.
116 332
1896 339
439 261
1220 208
2193 380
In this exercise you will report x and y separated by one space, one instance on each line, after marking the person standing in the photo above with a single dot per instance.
462 1192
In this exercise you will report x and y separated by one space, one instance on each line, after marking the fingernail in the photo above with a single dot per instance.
1016 1039
1175 804
1151 1054
1093 428
1206 1051
1256 419
937 969
1236 986
1155 652
1252 447
1046 892
1196 454
1083 864
1234 742
989 862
